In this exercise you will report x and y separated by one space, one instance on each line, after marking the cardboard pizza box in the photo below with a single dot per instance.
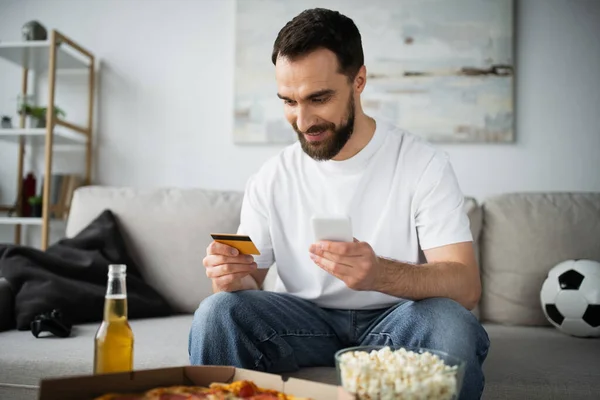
87 387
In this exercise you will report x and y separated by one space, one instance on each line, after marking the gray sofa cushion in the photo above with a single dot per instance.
167 232
523 237
159 342
523 362
527 363
540 363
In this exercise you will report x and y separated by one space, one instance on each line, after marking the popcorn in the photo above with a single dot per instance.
388 374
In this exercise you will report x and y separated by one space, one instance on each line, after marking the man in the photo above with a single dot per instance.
402 197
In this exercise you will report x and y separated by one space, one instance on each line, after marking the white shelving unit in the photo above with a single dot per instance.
37 136
35 56
57 54
27 221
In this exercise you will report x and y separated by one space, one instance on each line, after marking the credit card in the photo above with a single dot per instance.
241 242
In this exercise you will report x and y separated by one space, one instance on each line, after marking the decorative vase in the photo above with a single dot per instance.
33 30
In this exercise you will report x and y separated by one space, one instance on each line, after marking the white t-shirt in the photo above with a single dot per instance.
400 193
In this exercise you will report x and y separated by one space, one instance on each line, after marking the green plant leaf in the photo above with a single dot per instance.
40 112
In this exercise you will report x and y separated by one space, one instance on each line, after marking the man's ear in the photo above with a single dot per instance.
360 81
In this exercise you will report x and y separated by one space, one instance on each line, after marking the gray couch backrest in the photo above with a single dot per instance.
523 237
518 238
166 231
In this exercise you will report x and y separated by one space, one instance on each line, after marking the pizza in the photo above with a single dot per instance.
238 390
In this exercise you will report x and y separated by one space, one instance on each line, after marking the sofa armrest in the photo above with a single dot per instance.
7 306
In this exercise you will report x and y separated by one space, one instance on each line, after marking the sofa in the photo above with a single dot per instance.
518 238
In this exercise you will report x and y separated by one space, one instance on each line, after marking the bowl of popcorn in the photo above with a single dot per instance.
395 372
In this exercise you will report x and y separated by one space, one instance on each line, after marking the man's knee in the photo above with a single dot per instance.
210 314
215 317
217 302
225 312
220 307
450 325
442 307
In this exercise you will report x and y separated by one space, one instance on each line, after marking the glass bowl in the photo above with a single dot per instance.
394 372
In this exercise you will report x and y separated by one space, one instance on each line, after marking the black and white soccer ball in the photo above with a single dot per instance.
570 297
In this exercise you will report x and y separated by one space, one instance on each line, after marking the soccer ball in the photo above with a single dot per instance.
570 297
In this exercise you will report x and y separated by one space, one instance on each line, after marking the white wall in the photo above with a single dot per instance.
166 95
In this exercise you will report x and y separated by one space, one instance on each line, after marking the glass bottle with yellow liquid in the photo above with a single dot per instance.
113 347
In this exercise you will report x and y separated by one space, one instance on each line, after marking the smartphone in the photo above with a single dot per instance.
333 228
242 243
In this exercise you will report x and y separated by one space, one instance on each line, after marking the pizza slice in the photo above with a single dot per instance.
238 390
248 390
185 393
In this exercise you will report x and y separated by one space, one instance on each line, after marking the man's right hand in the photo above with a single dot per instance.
229 270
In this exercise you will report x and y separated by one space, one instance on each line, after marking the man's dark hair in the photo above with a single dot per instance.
321 28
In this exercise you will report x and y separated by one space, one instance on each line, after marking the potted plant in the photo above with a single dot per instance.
39 113
36 206
6 122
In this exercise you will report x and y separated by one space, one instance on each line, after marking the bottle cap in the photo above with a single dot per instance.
117 269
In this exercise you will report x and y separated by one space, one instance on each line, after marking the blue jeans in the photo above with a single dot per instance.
278 333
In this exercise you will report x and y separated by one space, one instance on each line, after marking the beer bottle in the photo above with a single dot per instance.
113 347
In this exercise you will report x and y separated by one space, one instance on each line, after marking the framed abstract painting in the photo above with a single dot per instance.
442 69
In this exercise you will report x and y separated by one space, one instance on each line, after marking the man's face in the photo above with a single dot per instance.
318 102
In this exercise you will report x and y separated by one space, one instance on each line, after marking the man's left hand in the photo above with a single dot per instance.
355 263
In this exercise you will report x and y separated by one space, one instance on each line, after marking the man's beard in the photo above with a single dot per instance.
329 147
